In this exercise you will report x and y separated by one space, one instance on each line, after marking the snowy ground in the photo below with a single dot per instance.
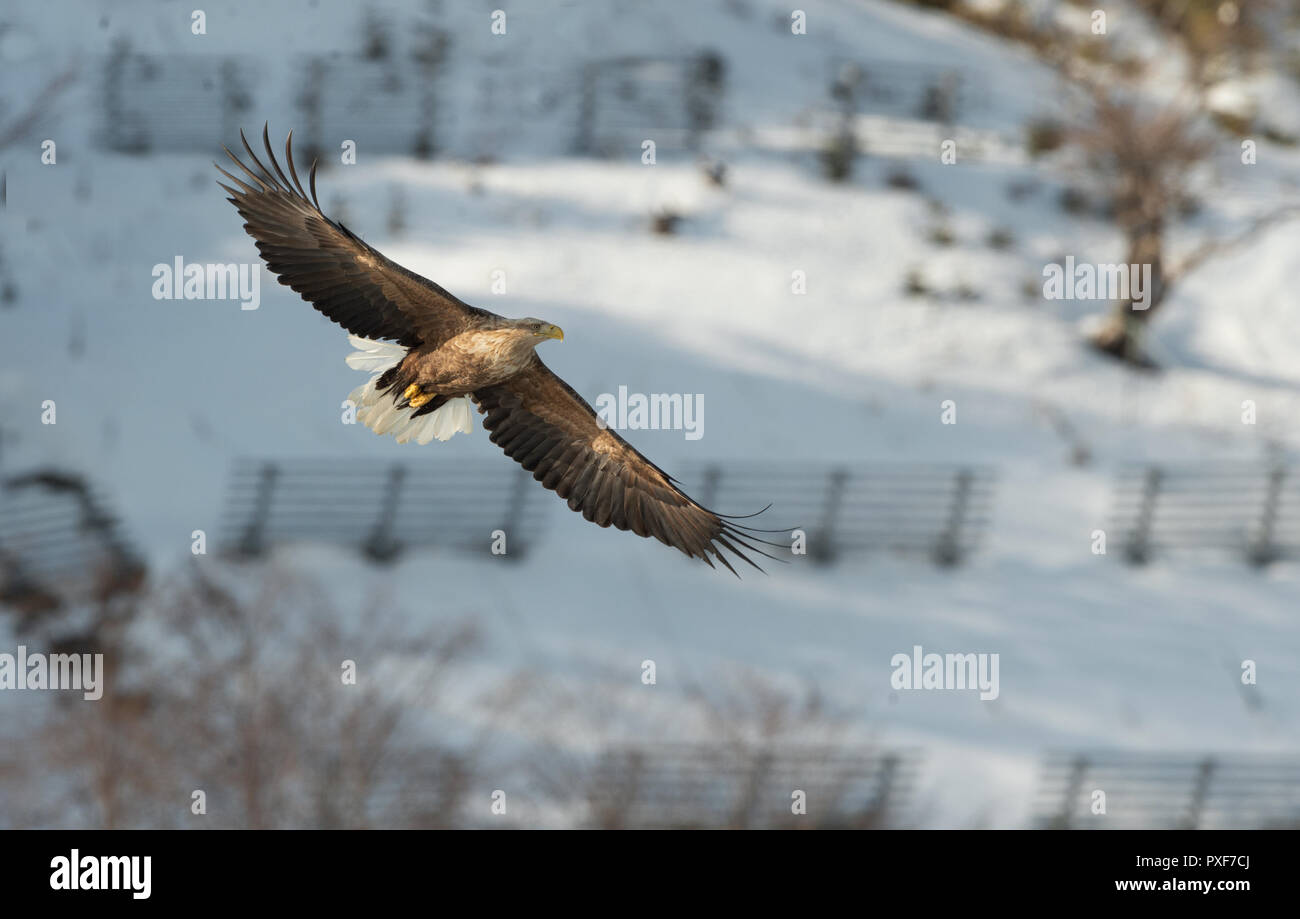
1093 653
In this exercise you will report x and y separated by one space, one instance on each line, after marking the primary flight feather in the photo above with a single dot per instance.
431 355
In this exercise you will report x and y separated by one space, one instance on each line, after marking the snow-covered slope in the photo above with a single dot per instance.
1093 653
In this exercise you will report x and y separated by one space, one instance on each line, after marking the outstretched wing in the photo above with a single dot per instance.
546 427
332 269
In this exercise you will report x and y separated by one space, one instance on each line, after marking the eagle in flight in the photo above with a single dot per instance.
432 355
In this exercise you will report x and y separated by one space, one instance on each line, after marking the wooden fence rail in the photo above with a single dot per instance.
402 105
57 539
696 785
1168 791
381 509
1247 509
937 510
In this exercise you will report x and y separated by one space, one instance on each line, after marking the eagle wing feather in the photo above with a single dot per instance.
332 268
550 430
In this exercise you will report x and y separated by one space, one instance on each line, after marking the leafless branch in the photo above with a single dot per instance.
1215 246
18 127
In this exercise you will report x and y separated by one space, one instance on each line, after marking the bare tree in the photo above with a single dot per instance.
1218 36
1144 158
1142 155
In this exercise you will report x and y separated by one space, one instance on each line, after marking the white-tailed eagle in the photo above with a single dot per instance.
431 355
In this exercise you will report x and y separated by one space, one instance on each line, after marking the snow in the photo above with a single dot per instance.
1093 653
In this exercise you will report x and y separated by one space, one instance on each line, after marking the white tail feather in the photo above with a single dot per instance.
377 410
373 355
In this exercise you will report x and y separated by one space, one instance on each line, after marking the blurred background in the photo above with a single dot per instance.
830 226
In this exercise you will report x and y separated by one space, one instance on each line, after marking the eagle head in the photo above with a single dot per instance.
541 330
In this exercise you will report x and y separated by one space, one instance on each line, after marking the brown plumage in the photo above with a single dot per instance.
454 349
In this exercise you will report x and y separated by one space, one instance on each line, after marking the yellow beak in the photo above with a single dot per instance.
553 331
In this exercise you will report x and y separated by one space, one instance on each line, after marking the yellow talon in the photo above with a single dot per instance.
414 397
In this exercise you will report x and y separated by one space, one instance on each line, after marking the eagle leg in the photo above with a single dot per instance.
414 397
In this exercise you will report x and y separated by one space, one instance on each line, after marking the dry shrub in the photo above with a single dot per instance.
237 691
717 758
